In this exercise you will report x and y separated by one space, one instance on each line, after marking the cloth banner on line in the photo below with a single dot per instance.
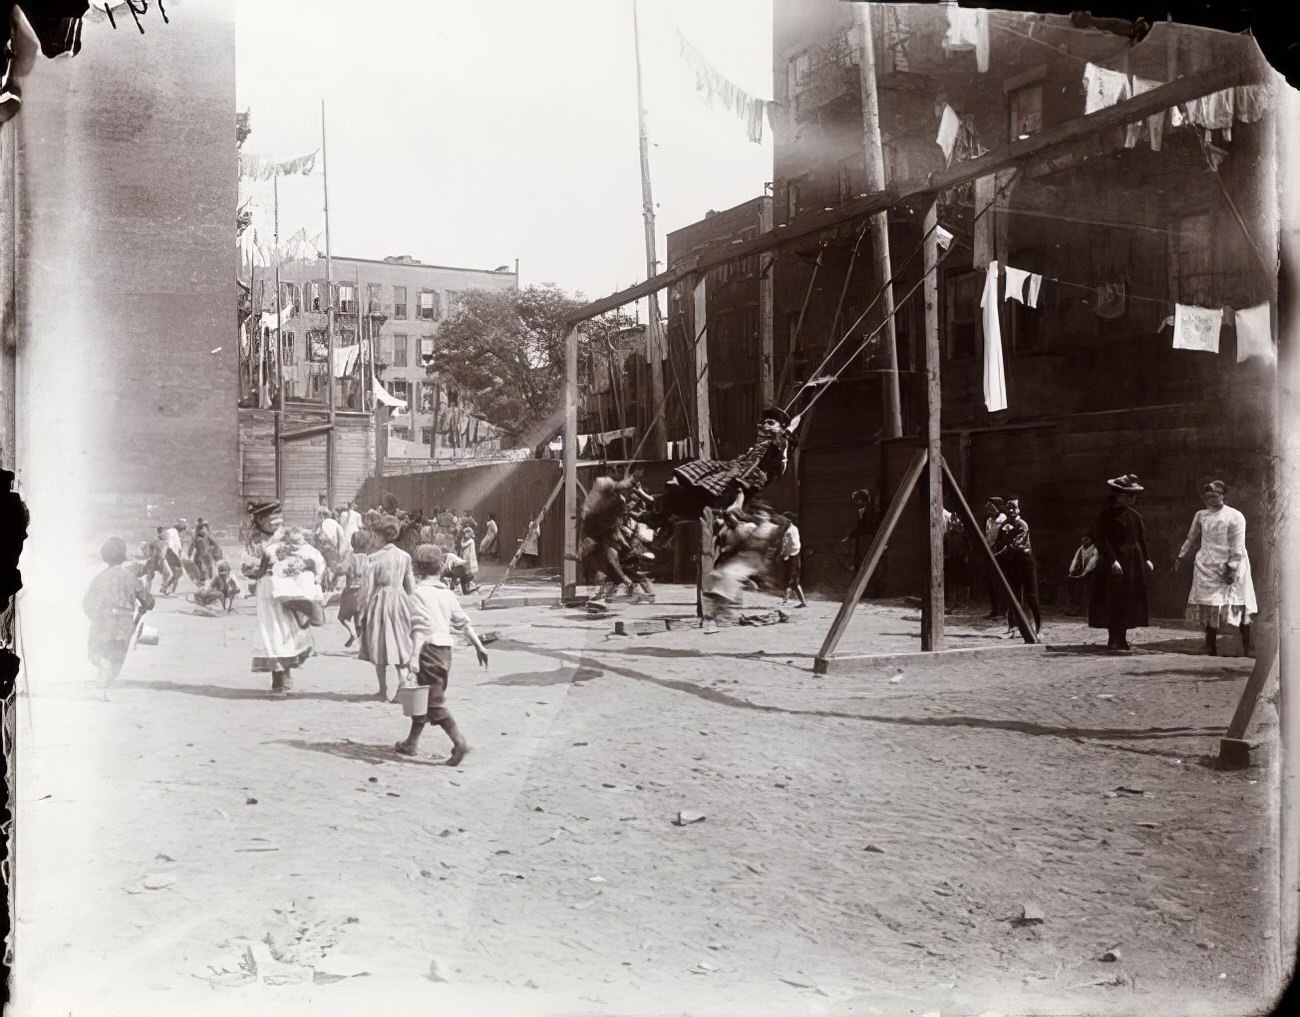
384 396
261 167
995 379
718 91
1255 334
1197 328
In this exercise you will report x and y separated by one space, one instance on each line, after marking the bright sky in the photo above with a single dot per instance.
471 133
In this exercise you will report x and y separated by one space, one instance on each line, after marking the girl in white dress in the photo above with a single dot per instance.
1222 590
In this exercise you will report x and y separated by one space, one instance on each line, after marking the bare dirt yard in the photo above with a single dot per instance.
647 824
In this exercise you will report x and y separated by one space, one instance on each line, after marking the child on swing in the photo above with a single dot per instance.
435 615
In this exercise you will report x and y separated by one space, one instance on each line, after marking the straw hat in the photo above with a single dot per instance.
1127 484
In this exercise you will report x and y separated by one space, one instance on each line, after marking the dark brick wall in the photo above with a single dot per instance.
129 188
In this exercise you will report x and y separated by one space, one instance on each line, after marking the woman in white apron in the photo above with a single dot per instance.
1222 591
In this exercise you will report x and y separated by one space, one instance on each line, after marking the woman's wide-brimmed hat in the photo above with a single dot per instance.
1215 486
263 508
1127 484
777 414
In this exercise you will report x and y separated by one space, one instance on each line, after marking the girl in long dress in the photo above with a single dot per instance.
286 642
488 546
1223 592
1119 598
386 594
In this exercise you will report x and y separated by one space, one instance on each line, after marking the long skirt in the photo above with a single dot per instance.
386 629
285 643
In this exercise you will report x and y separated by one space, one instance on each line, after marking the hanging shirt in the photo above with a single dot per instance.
1103 87
1255 334
1197 328
790 545
1032 289
995 381
949 123
968 29
1015 285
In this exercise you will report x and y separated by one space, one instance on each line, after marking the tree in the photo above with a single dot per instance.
504 353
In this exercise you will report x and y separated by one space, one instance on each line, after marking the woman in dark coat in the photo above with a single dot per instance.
1119 597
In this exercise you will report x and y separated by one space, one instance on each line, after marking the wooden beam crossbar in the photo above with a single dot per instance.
1045 143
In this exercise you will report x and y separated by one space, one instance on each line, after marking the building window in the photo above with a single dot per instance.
798 72
453 301
427 393
1026 110
963 313
426 349
373 298
1192 263
402 433
793 195
399 350
848 173
399 302
290 350
347 299
430 309
313 296
426 436
399 389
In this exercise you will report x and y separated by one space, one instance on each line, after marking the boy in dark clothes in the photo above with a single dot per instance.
111 604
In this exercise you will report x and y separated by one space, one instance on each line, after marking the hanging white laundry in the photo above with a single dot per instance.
1032 290
968 29
1153 126
1255 334
1197 328
942 237
1103 87
995 379
1015 286
384 396
949 123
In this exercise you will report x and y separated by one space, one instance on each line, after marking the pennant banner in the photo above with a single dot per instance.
717 91
260 167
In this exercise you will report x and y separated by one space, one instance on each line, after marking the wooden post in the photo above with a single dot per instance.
869 563
879 222
381 448
654 327
569 567
932 632
329 316
766 302
1283 539
703 427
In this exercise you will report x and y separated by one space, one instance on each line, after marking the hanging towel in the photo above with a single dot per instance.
1103 87
1015 287
968 29
1197 328
985 190
995 379
1255 334
949 123
1153 126
1032 290
384 396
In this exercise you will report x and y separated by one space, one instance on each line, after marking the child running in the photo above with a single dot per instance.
435 614
116 599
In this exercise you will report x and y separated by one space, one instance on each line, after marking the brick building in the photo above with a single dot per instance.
1121 225
125 274
396 304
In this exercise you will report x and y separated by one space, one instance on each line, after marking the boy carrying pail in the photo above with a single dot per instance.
435 615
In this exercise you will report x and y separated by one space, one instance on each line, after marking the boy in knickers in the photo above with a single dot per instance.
435 615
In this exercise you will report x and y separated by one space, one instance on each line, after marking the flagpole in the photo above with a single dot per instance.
279 355
654 331
329 321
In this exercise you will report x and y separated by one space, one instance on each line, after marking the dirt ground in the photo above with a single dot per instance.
957 835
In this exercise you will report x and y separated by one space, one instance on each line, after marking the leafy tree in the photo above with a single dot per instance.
503 352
